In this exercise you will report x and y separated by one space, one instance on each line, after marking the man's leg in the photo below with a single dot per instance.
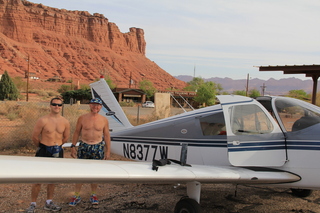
50 191
93 197
35 192
94 188
78 189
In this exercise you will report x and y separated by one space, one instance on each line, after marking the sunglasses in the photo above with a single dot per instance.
54 104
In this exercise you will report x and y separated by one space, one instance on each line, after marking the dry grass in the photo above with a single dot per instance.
18 120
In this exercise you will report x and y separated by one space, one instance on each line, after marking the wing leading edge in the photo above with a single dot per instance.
19 169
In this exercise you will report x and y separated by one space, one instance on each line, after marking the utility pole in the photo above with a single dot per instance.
247 87
130 80
27 98
263 88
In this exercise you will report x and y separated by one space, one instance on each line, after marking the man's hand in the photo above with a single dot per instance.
73 152
106 156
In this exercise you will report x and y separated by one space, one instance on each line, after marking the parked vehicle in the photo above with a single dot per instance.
148 104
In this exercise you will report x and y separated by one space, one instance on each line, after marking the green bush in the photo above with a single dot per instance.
80 94
126 104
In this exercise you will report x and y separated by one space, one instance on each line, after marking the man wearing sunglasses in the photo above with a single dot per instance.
50 132
94 143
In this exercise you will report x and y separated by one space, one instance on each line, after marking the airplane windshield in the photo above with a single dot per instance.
296 115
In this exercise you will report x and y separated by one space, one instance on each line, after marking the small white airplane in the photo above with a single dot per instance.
269 140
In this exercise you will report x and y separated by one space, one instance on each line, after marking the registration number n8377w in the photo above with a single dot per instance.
144 151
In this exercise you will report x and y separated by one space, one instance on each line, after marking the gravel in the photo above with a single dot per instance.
147 198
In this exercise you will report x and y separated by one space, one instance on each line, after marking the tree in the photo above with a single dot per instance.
80 94
299 94
206 93
254 93
194 84
239 92
147 87
8 89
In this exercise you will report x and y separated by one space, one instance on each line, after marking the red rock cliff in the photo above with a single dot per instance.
73 45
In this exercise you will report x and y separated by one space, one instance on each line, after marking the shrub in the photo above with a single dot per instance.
126 104
12 116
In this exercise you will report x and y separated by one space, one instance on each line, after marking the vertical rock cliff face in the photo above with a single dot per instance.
73 44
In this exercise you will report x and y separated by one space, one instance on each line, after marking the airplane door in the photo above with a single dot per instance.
254 138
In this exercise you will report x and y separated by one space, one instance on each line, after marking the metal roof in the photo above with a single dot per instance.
312 71
309 70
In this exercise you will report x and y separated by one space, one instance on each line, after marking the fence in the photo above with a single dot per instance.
17 120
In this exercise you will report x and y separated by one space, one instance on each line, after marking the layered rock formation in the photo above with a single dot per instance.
73 45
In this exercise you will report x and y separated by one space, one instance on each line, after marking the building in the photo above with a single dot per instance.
129 95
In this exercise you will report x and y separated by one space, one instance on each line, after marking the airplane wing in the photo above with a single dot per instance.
20 169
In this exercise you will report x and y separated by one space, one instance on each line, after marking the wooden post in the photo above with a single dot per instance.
27 98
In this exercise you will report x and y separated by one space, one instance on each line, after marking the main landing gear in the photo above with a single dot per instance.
190 204
301 192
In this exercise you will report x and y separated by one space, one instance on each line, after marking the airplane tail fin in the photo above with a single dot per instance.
111 109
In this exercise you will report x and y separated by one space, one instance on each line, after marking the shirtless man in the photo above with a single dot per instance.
49 133
92 126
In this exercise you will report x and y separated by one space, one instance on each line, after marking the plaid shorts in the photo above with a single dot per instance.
91 151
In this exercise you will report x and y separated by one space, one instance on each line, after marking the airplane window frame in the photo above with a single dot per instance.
249 119
213 125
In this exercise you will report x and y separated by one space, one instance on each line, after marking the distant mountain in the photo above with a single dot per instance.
272 86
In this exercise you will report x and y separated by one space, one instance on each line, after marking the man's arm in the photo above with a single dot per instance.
66 133
75 137
37 131
107 140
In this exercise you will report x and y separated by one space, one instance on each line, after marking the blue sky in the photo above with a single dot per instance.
217 38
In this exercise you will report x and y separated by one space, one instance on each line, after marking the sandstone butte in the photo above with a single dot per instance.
74 45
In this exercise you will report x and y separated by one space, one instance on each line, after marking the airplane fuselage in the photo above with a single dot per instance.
203 133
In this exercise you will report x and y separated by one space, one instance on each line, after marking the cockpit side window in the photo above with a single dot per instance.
213 125
295 116
249 119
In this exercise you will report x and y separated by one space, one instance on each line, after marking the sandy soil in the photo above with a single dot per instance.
142 198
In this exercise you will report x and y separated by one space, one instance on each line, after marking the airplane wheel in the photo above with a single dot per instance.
301 192
187 205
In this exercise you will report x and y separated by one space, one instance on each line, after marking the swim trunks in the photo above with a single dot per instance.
91 151
49 151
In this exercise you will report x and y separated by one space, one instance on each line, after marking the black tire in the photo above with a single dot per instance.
301 192
187 205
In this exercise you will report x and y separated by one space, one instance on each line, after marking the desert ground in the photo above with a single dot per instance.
141 198
147 198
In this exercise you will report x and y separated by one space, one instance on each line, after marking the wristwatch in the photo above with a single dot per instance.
72 145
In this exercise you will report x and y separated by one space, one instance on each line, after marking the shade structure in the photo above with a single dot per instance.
312 71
